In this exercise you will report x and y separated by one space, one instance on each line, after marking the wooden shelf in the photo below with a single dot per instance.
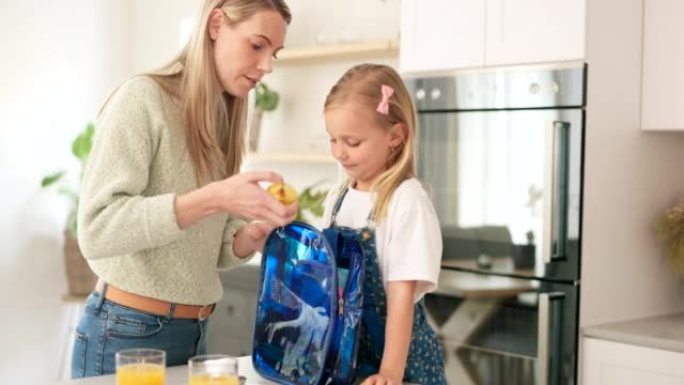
314 54
289 157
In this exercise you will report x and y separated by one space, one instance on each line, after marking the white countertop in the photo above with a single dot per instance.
663 332
178 375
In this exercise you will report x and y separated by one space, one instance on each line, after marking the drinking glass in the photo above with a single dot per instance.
140 367
213 369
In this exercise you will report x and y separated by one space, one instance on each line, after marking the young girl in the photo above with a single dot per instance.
370 119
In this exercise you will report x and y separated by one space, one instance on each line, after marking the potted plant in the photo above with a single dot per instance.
670 230
310 203
80 278
265 99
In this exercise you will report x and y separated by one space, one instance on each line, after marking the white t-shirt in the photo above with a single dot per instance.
408 240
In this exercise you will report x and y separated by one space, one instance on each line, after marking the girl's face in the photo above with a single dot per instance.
360 146
244 52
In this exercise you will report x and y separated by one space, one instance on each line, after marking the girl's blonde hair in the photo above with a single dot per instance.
362 85
215 121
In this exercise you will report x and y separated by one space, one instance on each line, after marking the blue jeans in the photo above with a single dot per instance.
106 327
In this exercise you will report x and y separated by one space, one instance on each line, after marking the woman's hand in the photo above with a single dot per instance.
251 238
239 195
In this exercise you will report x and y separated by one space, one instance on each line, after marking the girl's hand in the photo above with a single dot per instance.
251 238
382 379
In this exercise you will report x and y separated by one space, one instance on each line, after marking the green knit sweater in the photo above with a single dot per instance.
127 228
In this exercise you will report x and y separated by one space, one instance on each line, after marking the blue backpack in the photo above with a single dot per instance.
309 308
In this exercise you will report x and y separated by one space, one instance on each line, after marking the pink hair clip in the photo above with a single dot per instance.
383 106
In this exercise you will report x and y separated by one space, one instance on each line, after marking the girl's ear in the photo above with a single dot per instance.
398 134
216 19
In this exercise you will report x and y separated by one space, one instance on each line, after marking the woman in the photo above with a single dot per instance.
161 195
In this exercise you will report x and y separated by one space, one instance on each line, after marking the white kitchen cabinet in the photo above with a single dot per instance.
441 34
663 64
533 31
613 363
454 34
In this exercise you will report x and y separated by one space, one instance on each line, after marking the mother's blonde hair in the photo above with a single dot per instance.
362 85
214 119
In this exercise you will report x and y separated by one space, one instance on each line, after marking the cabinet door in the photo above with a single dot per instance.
663 75
531 31
441 34
613 363
231 324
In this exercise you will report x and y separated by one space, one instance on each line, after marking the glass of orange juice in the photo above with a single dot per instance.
213 369
140 367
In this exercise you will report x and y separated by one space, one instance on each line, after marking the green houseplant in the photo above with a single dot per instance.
670 231
80 277
310 202
265 99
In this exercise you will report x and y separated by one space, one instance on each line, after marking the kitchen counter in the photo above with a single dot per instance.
178 375
663 332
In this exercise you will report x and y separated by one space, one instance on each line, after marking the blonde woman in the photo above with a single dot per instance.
371 123
162 199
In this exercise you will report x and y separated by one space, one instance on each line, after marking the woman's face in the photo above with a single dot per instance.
244 52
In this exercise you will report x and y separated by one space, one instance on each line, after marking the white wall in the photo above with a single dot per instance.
155 28
631 176
59 61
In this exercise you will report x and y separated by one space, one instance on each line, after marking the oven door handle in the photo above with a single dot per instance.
556 158
549 338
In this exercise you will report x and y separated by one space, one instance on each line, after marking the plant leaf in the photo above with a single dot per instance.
51 179
266 99
317 210
83 143
269 102
312 202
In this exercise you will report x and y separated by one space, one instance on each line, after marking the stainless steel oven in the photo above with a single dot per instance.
500 330
501 151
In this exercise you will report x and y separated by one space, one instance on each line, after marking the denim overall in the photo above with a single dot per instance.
425 363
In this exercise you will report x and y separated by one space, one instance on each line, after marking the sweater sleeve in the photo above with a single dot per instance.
227 258
115 216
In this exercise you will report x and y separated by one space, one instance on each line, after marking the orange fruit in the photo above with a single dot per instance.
283 192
